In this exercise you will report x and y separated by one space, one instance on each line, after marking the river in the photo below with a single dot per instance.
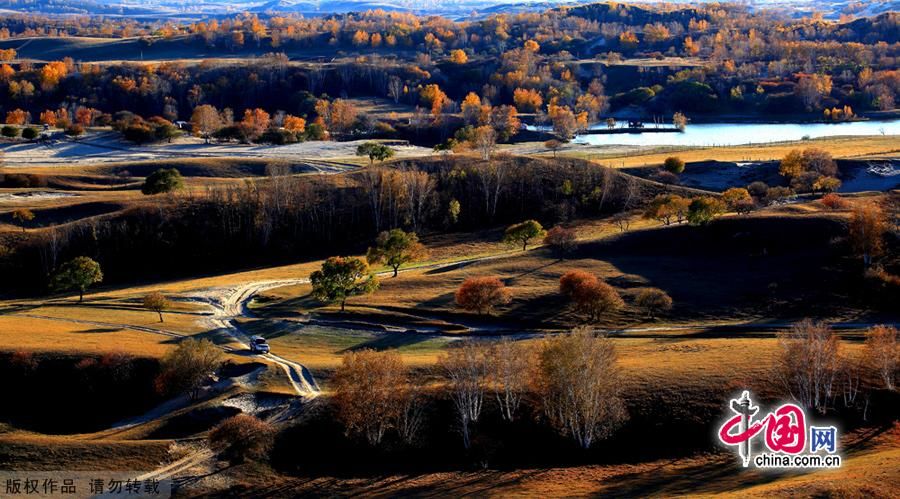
729 134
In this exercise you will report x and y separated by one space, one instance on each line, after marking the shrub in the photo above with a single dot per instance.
758 189
30 133
74 130
277 137
186 368
315 131
242 437
735 196
9 131
674 164
570 281
653 301
482 294
834 201
561 239
777 194
163 180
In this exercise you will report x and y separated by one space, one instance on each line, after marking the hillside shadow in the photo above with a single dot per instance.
735 265
725 476
98 330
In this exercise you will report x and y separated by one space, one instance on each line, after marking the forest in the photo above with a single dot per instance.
569 68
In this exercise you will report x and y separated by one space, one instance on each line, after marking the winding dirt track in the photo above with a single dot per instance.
233 304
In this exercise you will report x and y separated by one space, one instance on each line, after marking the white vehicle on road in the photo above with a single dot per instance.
258 345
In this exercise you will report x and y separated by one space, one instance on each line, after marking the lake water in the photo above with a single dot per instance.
729 134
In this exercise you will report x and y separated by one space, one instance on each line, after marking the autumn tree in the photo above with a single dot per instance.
702 210
485 140
51 73
523 232
561 239
579 386
807 363
565 124
22 216
680 120
819 161
341 278
156 302
482 294
369 393
509 373
812 88
242 437
187 367
79 274
472 108
736 198
527 100
628 39
48 118
294 124
338 115
867 228
255 122
505 121
16 117
590 295
466 369
791 164
458 56
882 354
553 145
653 301
395 248
85 116
668 208
435 98
205 120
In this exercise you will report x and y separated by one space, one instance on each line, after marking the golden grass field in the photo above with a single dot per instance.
839 147
28 334
685 361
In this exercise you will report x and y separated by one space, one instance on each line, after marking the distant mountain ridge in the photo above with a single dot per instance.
458 9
